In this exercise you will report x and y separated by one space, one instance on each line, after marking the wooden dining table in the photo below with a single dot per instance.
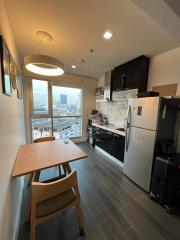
32 158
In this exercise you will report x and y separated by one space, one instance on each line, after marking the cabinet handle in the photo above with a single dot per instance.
109 133
116 135
98 132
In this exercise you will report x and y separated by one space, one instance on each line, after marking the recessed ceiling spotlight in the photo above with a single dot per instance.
107 35
73 66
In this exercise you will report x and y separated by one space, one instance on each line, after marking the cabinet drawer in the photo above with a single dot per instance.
111 143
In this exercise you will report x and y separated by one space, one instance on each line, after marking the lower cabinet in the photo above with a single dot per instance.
118 146
110 142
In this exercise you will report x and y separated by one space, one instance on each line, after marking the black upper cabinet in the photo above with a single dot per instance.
131 75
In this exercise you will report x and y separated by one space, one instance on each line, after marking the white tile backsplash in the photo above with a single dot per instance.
115 111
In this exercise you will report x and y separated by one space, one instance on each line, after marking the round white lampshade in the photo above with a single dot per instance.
44 65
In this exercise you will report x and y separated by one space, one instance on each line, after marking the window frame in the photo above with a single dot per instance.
33 115
50 107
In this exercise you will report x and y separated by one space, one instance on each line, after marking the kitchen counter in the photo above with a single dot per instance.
111 128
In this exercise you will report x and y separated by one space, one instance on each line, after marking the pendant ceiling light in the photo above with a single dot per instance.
43 64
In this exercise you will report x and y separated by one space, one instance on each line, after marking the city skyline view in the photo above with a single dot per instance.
66 120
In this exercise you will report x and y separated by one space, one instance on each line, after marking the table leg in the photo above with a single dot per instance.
37 176
30 179
64 169
67 167
60 173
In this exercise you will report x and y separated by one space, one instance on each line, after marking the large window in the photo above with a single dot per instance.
66 112
40 97
56 110
41 127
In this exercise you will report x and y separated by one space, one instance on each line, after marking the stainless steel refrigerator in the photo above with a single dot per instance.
148 119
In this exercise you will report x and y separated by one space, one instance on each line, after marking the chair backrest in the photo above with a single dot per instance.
44 139
43 191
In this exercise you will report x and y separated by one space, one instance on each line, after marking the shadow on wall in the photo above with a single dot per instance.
12 199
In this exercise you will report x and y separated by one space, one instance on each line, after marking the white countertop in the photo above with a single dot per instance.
111 128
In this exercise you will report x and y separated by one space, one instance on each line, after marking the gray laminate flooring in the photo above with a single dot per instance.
113 207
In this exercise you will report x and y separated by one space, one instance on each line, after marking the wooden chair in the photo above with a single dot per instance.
52 198
43 139
37 174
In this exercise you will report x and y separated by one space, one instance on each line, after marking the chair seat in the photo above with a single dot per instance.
55 204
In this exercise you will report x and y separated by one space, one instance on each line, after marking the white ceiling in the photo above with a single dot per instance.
78 25
164 12
174 5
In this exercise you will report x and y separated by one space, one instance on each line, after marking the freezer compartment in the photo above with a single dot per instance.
143 112
139 156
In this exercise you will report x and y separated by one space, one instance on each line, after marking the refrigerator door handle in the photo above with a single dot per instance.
127 137
126 140
128 128
128 121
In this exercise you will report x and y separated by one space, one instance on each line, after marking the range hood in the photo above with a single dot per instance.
124 94
108 86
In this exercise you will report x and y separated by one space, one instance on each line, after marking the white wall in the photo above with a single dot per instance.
88 86
101 81
165 69
11 136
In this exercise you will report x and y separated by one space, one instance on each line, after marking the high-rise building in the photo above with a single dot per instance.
63 99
